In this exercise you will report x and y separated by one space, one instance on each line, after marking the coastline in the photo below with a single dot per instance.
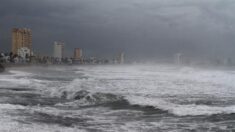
7 66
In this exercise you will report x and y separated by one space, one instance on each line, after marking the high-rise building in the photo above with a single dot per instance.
77 54
21 38
121 58
58 50
179 58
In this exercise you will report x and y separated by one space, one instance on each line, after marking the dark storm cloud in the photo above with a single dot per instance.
149 28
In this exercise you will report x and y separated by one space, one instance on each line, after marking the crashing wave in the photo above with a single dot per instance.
85 98
181 110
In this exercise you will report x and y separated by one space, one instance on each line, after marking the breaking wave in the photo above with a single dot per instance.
157 97
83 98
182 110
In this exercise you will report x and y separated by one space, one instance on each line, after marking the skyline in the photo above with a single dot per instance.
150 29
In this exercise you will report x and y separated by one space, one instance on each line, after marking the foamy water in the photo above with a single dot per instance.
117 98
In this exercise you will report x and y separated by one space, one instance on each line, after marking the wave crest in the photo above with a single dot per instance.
181 110
86 98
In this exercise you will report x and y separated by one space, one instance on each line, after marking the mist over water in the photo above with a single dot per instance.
117 98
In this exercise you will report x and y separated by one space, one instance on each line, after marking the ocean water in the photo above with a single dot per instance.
129 98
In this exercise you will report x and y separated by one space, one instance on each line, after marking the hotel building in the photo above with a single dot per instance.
77 54
21 38
58 50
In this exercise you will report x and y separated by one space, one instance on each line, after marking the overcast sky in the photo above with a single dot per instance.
140 28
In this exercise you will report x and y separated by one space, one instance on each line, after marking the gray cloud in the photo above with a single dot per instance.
143 29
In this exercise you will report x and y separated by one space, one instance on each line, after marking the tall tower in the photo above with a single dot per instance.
77 54
121 58
21 38
58 50
178 58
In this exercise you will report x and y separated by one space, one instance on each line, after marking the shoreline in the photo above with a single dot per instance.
5 66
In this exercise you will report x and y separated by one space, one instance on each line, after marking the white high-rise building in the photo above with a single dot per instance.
178 58
58 50
23 52
121 58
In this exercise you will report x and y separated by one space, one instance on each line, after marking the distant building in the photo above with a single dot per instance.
121 58
77 54
58 50
23 52
21 37
228 61
178 58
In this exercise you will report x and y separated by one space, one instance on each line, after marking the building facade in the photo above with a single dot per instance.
21 38
180 59
23 52
58 50
77 54
121 58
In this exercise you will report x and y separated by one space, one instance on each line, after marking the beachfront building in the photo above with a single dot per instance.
78 58
121 58
23 52
58 50
77 54
21 37
178 58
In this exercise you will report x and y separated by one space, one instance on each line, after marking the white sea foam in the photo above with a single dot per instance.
181 110
20 73
13 123
163 87
160 81
157 83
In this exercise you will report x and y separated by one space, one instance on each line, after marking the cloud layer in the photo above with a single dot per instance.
141 28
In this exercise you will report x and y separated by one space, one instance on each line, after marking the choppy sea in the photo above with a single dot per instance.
105 98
